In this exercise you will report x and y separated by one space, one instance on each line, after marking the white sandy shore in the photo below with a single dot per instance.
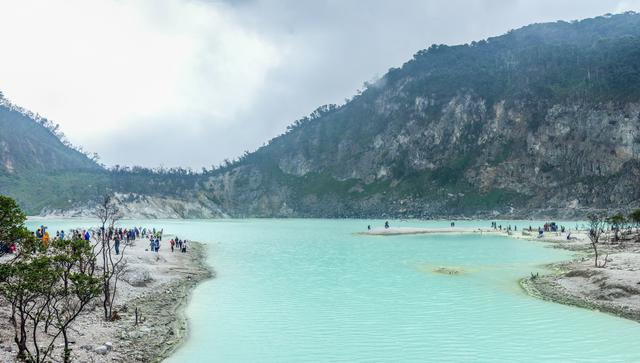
392 231
158 285
614 288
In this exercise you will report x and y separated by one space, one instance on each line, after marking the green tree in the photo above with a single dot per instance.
12 228
73 262
49 287
20 279
26 285
635 217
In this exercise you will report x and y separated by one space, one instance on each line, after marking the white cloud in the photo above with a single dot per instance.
627 5
191 82
98 66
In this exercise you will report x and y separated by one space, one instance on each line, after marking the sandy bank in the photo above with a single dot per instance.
158 285
614 289
162 307
394 231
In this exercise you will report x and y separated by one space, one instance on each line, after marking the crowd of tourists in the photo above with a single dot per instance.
508 228
119 236
547 227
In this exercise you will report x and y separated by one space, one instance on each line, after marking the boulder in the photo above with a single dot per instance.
139 276
101 349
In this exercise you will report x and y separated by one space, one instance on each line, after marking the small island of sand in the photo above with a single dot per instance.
394 231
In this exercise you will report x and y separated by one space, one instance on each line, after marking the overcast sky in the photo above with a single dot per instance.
191 82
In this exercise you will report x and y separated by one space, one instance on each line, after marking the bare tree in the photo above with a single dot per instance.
108 212
597 223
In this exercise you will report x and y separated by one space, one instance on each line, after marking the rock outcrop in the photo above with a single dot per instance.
542 121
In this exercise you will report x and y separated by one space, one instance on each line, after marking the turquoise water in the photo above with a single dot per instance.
313 291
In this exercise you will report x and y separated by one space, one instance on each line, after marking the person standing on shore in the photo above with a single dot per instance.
172 243
116 244
45 239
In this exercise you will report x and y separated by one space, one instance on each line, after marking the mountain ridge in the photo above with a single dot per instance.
524 91
543 120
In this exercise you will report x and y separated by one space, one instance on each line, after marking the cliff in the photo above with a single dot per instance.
543 120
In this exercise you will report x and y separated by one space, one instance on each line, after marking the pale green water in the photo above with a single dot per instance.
312 291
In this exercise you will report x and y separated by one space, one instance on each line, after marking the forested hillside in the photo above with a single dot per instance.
46 173
544 120
37 167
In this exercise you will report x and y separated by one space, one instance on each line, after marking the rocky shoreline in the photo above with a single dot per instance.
547 288
158 286
614 289
164 326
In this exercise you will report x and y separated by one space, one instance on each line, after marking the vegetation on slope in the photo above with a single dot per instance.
542 117
426 132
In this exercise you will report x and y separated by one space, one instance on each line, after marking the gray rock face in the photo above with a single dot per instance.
576 158
541 121
133 205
